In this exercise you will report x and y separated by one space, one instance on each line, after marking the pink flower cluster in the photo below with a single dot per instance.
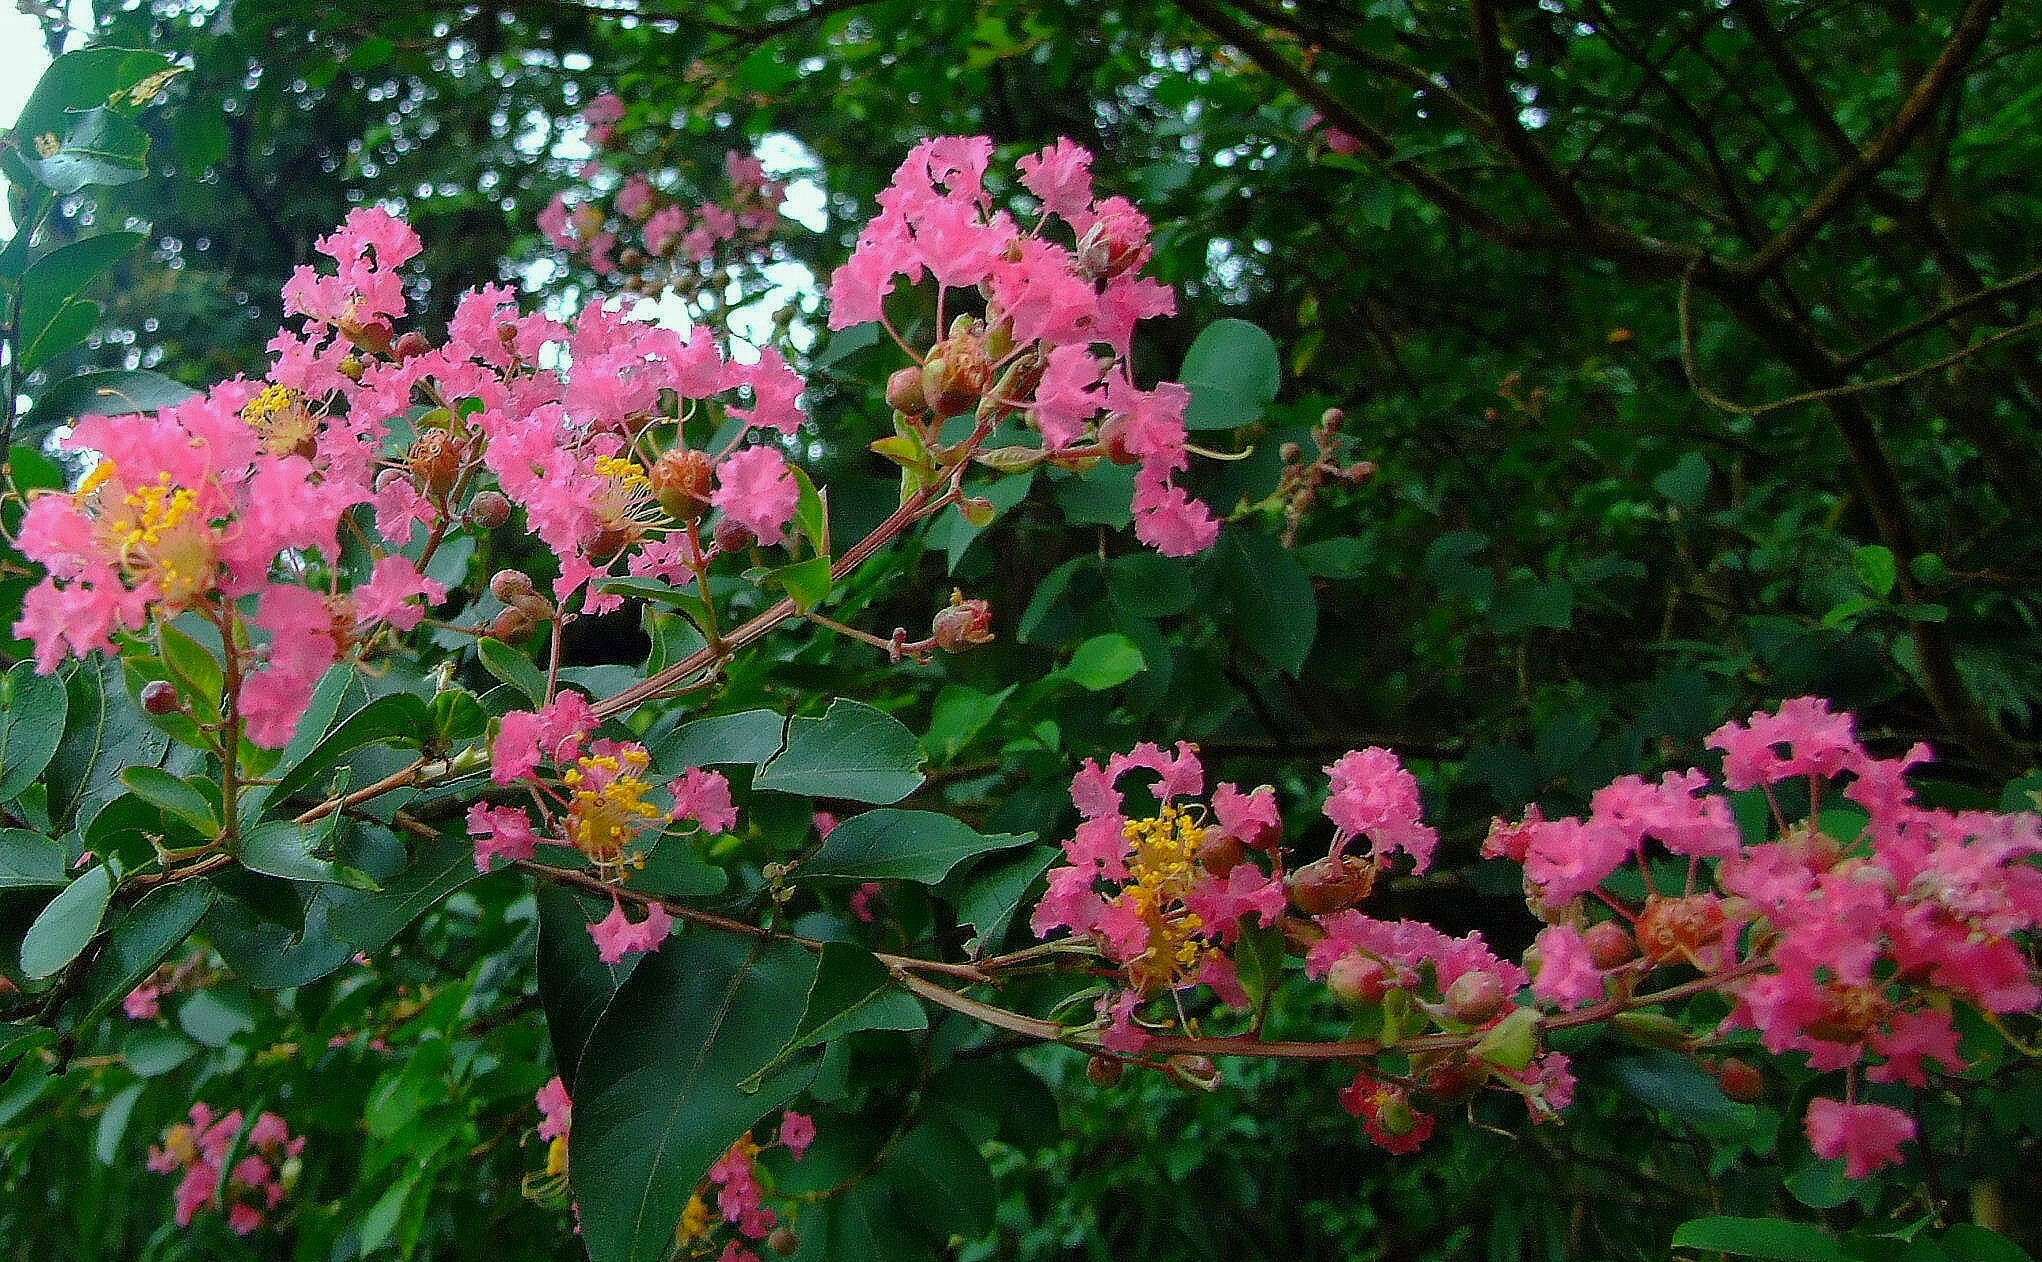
595 799
1050 308
252 1190
741 1192
657 240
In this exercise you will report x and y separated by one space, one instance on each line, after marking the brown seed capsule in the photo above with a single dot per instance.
435 460
510 624
159 696
1104 1071
1740 1080
489 509
412 344
1329 884
783 1241
962 624
1198 1072
904 392
1220 854
682 479
731 536
1609 944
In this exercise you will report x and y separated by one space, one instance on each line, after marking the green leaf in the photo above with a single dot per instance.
852 992
113 1123
853 752
1104 661
161 789
1233 372
513 668
67 924
140 940
1524 603
83 78
749 736
812 513
29 860
397 718
285 850
97 146
992 893
1151 586
940 1176
107 392
1968 1242
368 921
1876 569
32 710
575 986
1275 610
807 582
897 845
959 715
1686 482
1771 1238
194 669
51 288
103 731
657 1098
215 1017
1675 1084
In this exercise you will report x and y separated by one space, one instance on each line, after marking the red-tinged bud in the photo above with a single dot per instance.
1105 1071
373 337
411 345
1450 1078
489 509
730 536
1740 1080
159 696
1358 979
1332 419
904 392
1113 437
1197 1072
1679 928
683 479
1330 885
1290 453
962 624
1609 944
435 460
512 586
1395 1115
1358 472
1221 853
1475 997
783 1241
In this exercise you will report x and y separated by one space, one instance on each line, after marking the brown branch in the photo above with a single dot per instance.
1531 157
1970 32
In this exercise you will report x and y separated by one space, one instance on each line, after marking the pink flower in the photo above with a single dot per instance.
797 1131
664 228
1061 176
776 391
704 796
617 936
1819 742
143 1003
554 734
755 489
635 198
1169 520
1866 1136
1373 796
554 222
864 900
500 832
1567 976
387 596
556 1110
1250 818
1065 399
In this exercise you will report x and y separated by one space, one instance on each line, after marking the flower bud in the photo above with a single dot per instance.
1475 997
373 337
1113 437
1329 884
435 460
904 392
512 586
1609 944
682 479
159 696
1104 1071
1358 979
510 624
1197 1072
1220 854
1394 1113
730 536
962 624
1449 1077
783 1241
1740 1080
489 509
412 344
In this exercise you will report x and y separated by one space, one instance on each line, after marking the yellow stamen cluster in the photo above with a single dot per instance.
155 509
622 469
279 414
1162 870
607 807
696 1220
157 531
